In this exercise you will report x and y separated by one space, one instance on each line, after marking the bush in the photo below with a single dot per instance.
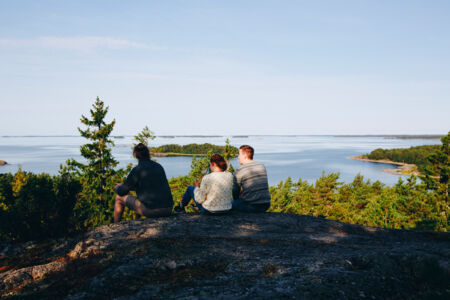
407 205
36 206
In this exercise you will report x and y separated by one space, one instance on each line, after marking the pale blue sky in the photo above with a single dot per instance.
227 67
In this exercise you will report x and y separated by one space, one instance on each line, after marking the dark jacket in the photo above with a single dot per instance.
149 181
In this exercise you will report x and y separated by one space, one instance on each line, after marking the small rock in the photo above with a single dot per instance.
2 163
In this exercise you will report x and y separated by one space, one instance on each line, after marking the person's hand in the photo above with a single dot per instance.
196 184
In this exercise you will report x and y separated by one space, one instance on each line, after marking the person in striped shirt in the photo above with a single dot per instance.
250 186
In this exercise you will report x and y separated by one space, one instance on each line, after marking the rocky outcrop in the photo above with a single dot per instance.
2 162
238 256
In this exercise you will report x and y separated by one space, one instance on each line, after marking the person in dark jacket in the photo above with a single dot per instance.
148 179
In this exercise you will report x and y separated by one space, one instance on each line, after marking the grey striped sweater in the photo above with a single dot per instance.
251 183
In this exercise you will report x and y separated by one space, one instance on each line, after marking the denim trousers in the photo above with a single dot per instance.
188 195
241 205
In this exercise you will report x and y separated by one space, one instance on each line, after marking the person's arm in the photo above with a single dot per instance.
201 192
236 186
128 185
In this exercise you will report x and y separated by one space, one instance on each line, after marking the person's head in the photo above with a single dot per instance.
141 151
218 163
245 154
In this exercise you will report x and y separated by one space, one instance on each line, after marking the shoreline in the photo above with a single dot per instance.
402 168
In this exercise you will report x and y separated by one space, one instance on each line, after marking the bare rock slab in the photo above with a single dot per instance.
238 256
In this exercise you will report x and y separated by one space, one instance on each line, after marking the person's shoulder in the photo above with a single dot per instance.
208 177
250 165
135 169
153 164
257 163
229 176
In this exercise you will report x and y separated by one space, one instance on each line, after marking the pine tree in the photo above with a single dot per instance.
95 205
144 136
437 178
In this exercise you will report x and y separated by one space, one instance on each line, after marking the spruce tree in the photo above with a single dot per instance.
95 205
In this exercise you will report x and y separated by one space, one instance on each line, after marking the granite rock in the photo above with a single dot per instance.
236 256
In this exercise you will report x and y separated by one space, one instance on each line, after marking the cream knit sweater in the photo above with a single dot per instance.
214 194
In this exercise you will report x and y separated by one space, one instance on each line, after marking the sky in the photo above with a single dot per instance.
226 67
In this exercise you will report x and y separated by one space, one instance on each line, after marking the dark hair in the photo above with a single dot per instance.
219 161
141 151
248 150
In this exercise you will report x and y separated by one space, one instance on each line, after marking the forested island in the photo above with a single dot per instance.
410 161
192 150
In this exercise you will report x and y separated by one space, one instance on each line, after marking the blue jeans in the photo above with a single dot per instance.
188 195
241 205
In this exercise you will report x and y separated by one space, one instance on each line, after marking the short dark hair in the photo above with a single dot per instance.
248 150
219 161
141 151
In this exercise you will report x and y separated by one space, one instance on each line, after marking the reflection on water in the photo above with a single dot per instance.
302 157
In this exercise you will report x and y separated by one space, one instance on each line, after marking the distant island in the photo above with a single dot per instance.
410 161
402 168
401 137
190 150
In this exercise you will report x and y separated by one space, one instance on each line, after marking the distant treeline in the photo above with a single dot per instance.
414 155
401 137
193 149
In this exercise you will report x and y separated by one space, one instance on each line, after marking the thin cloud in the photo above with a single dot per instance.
83 43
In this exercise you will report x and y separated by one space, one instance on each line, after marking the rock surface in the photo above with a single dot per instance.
238 256
2 162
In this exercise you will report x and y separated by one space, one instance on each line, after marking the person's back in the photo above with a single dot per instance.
149 181
215 191
213 196
252 180
251 187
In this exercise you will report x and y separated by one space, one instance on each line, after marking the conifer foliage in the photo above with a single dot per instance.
436 178
144 136
98 175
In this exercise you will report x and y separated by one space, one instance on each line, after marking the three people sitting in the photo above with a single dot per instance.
249 187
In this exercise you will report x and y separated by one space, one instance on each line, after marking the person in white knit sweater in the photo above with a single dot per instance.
214 194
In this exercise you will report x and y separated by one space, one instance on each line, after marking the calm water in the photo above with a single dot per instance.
302 157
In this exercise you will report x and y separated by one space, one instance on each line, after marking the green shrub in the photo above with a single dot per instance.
36 206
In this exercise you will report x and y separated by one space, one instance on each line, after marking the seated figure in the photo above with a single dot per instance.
251 187
213 196
148 179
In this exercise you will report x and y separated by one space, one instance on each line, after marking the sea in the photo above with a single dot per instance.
299 157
